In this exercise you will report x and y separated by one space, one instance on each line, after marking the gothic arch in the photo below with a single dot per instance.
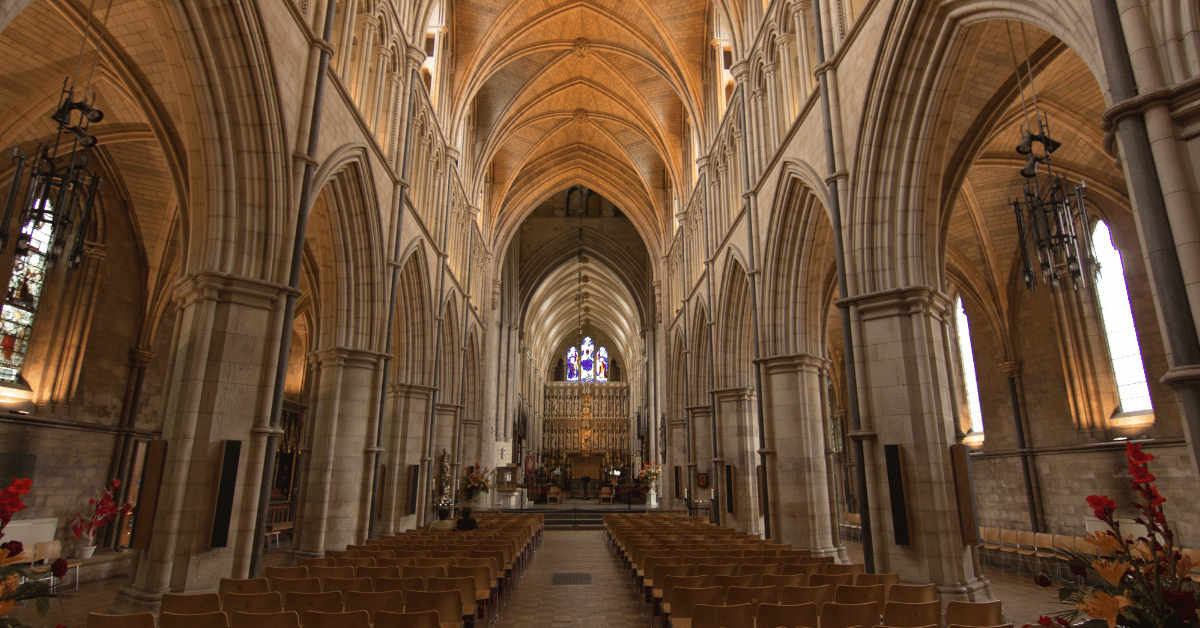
895 243
345 237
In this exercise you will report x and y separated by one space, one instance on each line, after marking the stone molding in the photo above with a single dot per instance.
899 301
211 285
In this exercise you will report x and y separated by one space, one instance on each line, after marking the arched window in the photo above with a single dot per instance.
1123 346
24 292
586 363
968 367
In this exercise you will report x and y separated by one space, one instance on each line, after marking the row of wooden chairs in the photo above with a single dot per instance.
282 619
813 606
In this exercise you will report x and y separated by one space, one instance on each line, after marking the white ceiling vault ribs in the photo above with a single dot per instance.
602 87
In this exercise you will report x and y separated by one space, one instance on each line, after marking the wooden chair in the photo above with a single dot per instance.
193 620
342 585
818 560
136 620
853 569
1008 546
913 593
46 552
752 596
299 585
266 602
787 616
725 582
727 616
974 613
403 585
285 619
833 580
835 615
395 562
301 603
447 604
684 601
555 496
341 553
671 582
242 585
375 573
758 570
716 570
435 562
818 595
806 569
424 573
903 615
190 604
321 573
888 580
481 575
849 594
304 561
966 626
292 573
1026 548
356 562
419 619
465 588
779 581
350 619
606 496
372 602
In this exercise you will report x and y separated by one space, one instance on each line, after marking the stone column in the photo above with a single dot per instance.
218 385
799 478
791 92
905 391
738 443
404 438
337 487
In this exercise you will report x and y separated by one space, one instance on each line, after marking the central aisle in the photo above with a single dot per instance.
607 603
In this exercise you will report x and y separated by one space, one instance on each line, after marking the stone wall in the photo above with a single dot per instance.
1069 476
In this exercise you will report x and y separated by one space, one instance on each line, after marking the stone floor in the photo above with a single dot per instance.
607 603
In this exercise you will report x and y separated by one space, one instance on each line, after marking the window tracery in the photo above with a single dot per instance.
587 363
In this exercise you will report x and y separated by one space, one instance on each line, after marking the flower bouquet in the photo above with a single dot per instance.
476 481
649 474
98 512
19 585
1140 582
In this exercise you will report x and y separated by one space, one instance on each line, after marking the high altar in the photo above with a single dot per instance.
586 428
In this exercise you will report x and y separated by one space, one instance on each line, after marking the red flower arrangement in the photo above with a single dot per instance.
98 513
19 585
1142 582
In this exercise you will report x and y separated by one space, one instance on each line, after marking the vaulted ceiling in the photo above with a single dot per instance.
590 92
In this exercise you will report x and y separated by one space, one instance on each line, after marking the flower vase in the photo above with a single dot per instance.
85 551
652 499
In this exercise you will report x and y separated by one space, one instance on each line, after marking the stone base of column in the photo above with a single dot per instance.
132 598
973 590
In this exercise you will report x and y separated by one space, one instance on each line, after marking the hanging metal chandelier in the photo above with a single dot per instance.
1052 219
55 187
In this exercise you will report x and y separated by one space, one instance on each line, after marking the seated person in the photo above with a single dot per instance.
443 524
466 522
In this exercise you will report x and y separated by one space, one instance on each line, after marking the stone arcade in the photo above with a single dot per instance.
766 212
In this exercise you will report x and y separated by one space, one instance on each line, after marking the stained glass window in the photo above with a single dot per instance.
587 363
24 292
572 364
602 365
